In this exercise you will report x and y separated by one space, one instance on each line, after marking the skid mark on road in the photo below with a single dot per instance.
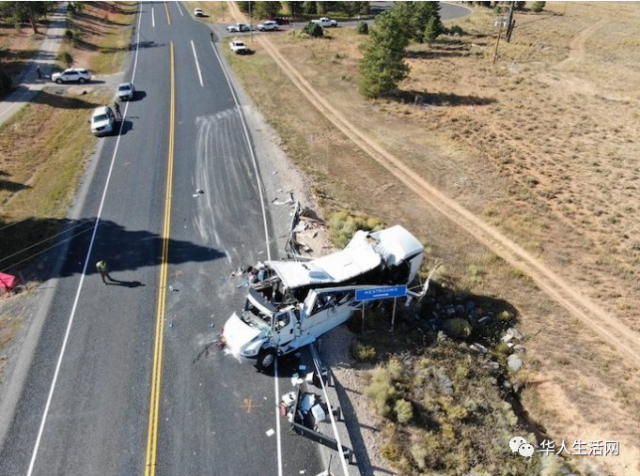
224 175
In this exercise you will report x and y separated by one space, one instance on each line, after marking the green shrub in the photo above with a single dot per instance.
65 58
390 452
419 455
457 328
381 391
447 435
68 35
537 7
363 353
343 225
404 411
362 28
394 369
313 30
504 316
457 412
462 371
455 30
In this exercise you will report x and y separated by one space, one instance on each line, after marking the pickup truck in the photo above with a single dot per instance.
238 28
325 22
238 47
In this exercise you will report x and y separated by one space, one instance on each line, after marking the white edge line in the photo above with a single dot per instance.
276 402
179 9
153 17
84 271
266 235
195 56
316 362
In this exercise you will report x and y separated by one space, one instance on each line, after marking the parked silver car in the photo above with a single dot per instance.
126 91
268 25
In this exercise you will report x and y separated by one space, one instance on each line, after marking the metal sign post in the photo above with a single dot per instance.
386 292
393 316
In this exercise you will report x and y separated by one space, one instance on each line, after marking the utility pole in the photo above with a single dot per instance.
495 51
250 26
510 23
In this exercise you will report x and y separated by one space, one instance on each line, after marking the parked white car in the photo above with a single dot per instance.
72 75
238 47
103 121
198 12
268 25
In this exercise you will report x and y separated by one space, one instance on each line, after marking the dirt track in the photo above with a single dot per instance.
608 327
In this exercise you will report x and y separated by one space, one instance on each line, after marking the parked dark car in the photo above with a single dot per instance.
282 20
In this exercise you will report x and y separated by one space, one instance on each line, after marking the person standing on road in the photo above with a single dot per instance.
39 72
116 108
103 269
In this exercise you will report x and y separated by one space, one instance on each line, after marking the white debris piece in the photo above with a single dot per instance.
288 398
506 337
479 347
307 402
270 432
318 413
514 362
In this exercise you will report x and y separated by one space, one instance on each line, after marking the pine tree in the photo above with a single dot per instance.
267 9
382 66
416 15
5 81
309 8
295 9
537 7
431 30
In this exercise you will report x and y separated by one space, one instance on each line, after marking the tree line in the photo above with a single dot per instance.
302 9
16 13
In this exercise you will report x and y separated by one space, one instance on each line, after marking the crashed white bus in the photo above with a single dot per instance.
295 302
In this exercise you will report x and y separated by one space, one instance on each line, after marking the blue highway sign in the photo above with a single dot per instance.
385 292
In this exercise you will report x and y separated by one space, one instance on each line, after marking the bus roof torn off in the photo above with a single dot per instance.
366 252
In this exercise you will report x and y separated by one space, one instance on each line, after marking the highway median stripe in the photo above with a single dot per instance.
166 9
156 374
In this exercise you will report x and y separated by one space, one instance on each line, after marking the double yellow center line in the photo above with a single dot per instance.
156 377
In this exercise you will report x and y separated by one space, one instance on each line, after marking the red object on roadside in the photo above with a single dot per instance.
7 281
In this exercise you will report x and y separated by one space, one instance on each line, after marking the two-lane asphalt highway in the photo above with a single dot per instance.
124 380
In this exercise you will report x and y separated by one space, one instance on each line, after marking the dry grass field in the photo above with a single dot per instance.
44 149
544 146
